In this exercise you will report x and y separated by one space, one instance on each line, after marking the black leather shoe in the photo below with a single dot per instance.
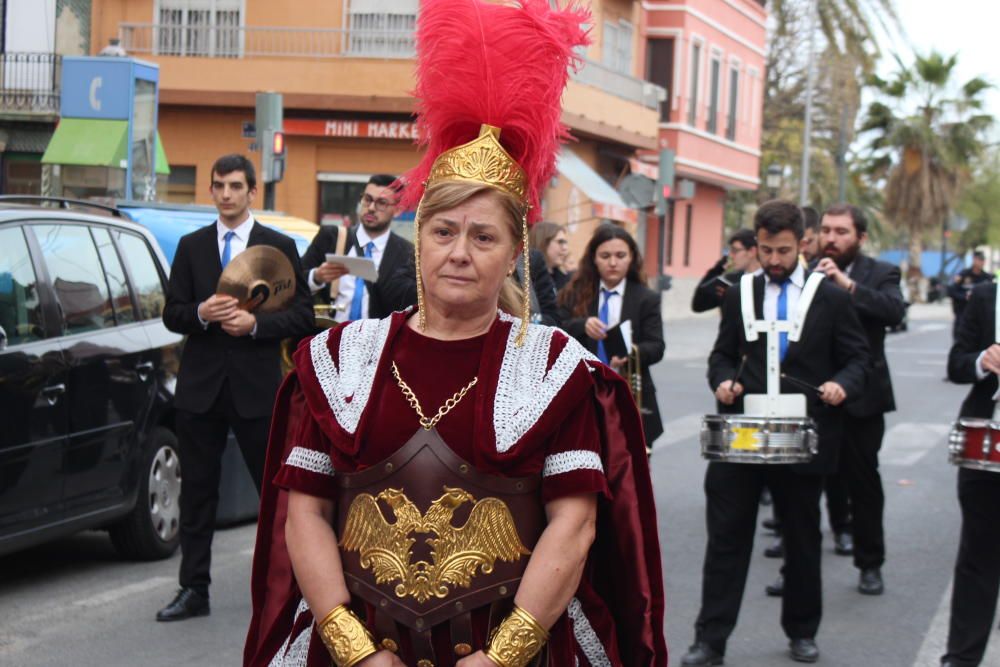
770 524
701 654
803 650
870 582
776 550
777 589
843 544
188 604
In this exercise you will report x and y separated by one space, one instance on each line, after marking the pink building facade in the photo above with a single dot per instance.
709 55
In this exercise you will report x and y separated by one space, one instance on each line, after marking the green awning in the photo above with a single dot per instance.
95 143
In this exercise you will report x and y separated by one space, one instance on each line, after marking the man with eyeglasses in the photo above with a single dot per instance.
354 298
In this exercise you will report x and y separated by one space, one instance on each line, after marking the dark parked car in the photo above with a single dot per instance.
87 372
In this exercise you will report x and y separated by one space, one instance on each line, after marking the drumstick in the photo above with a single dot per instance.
739 370
801 383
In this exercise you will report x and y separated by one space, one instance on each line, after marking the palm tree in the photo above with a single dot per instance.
923 155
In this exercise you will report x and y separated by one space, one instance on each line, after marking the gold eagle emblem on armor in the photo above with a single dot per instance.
457 554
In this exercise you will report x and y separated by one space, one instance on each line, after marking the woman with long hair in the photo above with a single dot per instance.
551 240
606 290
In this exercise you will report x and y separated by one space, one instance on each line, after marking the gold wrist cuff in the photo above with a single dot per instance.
346 637
516 640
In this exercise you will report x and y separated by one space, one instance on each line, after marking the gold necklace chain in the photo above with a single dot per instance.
426 423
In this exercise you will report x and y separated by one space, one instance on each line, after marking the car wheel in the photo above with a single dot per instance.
151 531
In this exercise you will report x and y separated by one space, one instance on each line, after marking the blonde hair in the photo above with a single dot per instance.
450 194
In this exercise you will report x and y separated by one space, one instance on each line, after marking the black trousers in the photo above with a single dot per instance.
202 440
859 470
977 569
733 493
838 502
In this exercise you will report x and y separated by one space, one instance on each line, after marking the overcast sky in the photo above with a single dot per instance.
966 27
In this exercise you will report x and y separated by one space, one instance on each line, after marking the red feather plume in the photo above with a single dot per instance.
482 62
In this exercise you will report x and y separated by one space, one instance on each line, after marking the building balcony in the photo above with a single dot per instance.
598 101
29 85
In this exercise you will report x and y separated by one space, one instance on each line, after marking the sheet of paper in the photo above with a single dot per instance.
362 267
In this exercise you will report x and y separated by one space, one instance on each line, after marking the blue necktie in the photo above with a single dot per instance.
359 288
602 315
783 315
228 248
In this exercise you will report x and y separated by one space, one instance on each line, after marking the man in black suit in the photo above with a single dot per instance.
961 287
832 354
975 359
230 369
372 238
874 292
742 258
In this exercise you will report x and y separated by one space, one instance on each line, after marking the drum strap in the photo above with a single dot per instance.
751 331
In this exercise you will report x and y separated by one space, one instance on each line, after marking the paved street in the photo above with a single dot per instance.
74 602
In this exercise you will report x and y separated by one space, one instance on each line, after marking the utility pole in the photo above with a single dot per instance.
810 84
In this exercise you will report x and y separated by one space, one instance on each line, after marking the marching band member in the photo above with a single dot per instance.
508 526
975 359
831 356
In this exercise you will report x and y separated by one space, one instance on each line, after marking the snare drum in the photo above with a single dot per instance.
975 443
745 439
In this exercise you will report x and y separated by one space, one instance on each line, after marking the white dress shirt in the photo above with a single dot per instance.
615 304
345 293
772 291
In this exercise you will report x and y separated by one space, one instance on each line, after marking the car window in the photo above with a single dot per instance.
20 312
121 299
77 277
146 279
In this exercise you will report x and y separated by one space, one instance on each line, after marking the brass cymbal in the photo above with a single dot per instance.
261 278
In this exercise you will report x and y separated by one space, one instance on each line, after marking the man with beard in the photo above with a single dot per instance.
357 299
832 355
742 258
874 292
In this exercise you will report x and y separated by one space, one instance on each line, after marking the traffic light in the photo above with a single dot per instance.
276 170
664 181
270 136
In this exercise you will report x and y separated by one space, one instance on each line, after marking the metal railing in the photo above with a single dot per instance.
29 82
365 40
593 73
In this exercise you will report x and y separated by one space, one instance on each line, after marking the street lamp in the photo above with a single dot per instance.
773 179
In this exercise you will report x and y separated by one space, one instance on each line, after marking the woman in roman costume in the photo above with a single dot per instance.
454 486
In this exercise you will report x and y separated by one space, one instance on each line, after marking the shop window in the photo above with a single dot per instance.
209 28
22 177
146 279
181 185
339 195
77 277
20 312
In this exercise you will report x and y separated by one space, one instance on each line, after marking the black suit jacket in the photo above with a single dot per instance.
832 347
976 332
879 303
641 305
706 296
391 291
542 286
252 365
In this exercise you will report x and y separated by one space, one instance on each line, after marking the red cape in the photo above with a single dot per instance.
624 563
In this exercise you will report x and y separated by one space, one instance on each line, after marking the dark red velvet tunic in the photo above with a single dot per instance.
547 409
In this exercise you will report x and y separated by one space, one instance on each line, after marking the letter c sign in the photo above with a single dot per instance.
95 85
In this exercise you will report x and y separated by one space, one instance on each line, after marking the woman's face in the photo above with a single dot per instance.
466 253
613 259
557 250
